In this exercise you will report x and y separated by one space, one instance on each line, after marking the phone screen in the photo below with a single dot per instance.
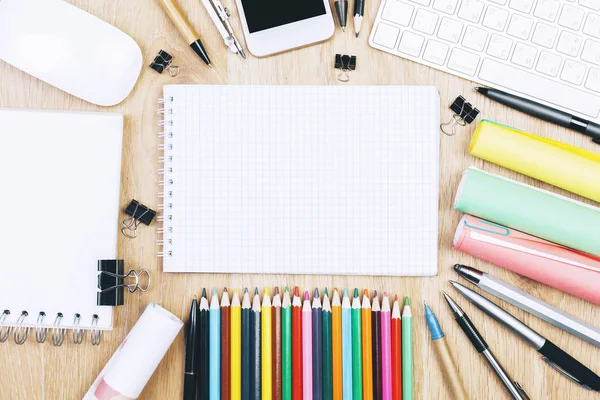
266 14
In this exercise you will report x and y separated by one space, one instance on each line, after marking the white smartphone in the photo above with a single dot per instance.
274 26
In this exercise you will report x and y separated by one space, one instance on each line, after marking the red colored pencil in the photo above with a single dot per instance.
396 351
296 346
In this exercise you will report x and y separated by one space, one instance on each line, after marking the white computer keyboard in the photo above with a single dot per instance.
546 50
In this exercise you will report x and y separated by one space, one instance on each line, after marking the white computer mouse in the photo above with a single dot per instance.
70 49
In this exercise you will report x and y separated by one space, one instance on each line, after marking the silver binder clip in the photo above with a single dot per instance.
464 114
138 213
21 333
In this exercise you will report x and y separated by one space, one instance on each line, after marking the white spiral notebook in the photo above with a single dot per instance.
61 185
300 179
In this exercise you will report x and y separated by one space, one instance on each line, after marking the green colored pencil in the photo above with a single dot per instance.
356 347
286 346
327 355
407 352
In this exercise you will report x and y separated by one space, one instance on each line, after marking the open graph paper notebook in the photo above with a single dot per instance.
300 179
61 179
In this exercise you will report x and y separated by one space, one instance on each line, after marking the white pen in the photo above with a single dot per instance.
530 304
220 17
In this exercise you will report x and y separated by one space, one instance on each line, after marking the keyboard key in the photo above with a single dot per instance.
411 44
569 43
593 4
548 90
398 12
421 2
499 46
573 72
471 10
474 38
495 18
425 21
519 26
463 61
544 35
549 63
571 17
435 52
547 9
450 30
524 6
501 2
446 6
524 55
591 52
386 35
592 25
593 80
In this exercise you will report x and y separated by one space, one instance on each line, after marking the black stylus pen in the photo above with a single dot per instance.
515 389
191 358
544 112
552 354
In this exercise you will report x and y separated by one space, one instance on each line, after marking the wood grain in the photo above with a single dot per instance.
35 371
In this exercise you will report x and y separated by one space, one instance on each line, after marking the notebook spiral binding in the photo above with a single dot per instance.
165 183
21 329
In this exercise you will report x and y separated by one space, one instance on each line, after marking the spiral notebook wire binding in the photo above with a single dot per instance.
165 183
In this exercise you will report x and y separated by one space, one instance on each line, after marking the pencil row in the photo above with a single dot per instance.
309 347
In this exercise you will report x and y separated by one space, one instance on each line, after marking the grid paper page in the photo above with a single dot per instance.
302 179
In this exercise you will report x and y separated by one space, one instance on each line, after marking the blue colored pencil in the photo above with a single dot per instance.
215 346
347 347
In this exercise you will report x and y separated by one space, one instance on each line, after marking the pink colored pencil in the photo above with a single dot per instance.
386 348
307 364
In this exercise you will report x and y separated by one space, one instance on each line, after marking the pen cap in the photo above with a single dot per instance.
433 324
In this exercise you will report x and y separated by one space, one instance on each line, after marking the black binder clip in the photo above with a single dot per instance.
164 61
464 114
111 282
138 213
344 64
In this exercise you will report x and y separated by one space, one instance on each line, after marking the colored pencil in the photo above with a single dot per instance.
386 348
367 349
376 338
396 332
317 347
286 346
297 346
236 347
276 315
307 390
346 347
255 351
327 377
336 345
267 347
225 346
356 347
204 353
407 350
246 345
215 347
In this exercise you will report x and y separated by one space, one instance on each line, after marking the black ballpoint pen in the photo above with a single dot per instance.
514 388
544 112
341 9
552 354
191 356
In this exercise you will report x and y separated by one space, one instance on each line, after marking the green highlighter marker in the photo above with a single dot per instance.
407 352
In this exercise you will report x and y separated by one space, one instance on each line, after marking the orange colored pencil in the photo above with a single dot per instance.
367 351
396 351
296 346
336 345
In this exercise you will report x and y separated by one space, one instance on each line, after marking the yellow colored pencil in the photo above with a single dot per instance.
267 347
236 347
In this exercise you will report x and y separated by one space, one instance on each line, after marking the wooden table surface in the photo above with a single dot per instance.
34 371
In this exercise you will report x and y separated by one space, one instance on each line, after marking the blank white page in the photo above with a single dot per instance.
61 179
301 179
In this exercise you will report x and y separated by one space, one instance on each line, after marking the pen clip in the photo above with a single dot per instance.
522 391
565 373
